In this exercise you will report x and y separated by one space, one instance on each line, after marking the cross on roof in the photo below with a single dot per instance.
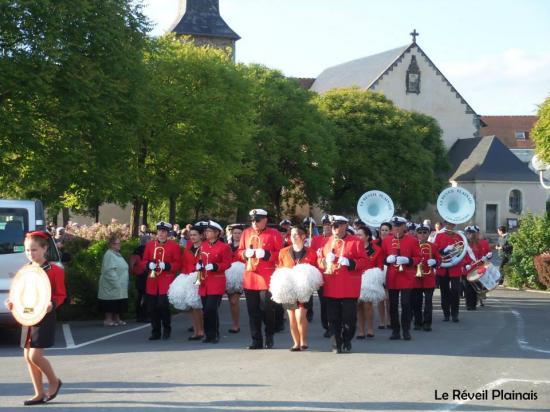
414 33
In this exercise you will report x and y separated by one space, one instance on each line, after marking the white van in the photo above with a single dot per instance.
18 217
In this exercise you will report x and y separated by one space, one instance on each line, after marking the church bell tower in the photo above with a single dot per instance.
205 26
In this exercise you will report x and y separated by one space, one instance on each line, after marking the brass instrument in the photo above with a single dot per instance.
201 274
458 251
158 256
396 245
255 243
425 251
330 266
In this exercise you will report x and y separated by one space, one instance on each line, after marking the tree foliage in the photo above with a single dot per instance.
541 132
385 148
531 239
290 159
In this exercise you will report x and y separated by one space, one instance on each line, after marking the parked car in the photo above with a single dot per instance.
17 217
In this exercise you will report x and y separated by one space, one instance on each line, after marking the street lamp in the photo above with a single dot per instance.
540 166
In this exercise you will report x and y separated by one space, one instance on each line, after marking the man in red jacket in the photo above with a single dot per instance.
342 260
402 255
259 249
162 257
449 277
479 252
317 244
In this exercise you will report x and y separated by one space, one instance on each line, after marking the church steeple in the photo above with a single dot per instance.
203 22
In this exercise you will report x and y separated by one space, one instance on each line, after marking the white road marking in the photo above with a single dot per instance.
522 340
68 336
80 345
492 385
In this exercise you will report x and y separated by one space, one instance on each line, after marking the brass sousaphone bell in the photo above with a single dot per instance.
374 208
456 205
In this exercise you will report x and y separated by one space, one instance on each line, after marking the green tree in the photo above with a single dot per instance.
71 70
383 147
198 121
541 132
290 161
531 239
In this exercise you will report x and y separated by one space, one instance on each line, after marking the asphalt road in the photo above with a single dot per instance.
500 349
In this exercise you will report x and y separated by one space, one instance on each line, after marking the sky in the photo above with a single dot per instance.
495 53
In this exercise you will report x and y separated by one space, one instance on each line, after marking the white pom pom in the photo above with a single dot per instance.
183 294
234 278
281 286
372 286
307 279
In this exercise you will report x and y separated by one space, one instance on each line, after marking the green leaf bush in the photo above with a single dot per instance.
82 278
531 239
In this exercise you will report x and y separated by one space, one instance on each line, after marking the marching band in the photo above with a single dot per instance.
348 268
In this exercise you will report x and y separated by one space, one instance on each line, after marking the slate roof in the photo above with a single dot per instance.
486 159
202 18
505 127
361 72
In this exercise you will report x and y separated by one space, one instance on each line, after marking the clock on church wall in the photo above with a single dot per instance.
413 77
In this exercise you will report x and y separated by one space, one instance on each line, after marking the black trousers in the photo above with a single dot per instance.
406 310
450 295
342 319
309 306
470 294
260 309
141 305
422 297
210 304
159 313
279 317
323 306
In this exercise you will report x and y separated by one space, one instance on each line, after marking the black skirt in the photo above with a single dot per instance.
41 335
113 306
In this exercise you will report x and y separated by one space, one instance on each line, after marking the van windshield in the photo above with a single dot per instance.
14 223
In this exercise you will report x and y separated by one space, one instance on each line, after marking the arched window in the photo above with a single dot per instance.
515 201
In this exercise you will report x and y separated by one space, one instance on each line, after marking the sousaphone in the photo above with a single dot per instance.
30 294
375 207
456 205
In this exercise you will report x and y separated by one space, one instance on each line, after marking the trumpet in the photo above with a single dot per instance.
255 243
396 245
425 251
201 274
158 256
336 243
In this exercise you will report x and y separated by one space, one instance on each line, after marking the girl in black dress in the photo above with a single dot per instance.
42 335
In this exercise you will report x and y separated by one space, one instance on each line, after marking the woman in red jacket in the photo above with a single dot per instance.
216 258
375 260
42 335
190 258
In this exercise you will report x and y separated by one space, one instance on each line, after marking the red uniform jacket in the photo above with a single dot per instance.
375 258
318 242
189 259
271 241
286 260
408 247
159 285
235 253
480 249
345 282
443 239
428 251
217 253
56 275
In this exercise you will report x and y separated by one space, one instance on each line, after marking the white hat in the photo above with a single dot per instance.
307 220
285 222
473 229
351 230
257 213
213 225
398 220
338 218
164 226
